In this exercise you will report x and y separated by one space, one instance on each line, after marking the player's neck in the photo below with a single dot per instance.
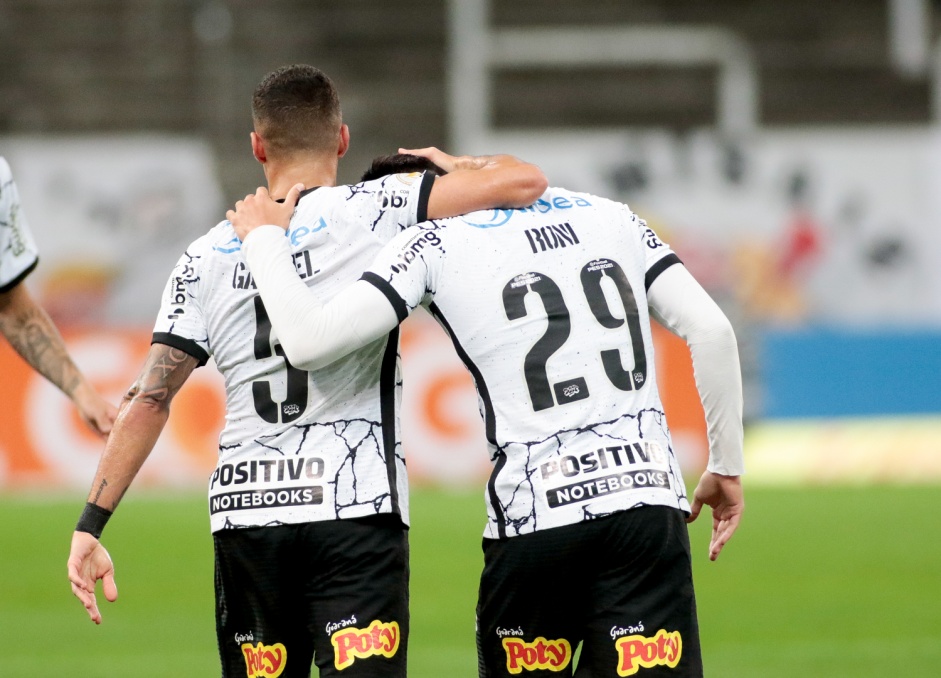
312 171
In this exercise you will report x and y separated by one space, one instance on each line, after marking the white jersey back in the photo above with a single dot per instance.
18 253
298 446
547 308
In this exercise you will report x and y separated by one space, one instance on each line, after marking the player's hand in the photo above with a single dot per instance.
259 209
724 495
447 162
97 412
89 562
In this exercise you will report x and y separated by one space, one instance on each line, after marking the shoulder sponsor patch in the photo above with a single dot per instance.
408 179
391 197
413 249
497 217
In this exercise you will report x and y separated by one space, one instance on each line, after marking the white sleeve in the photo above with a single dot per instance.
681 305
312 334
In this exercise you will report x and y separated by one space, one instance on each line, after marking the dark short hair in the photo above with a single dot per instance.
399 163
296 109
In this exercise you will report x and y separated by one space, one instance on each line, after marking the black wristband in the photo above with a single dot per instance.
93 520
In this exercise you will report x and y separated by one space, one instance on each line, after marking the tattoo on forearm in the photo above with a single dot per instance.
101 487
33 335
143 413
164 373
111 505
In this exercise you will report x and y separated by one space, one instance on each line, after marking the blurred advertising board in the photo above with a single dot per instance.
848 404
43 442
111 215
819 451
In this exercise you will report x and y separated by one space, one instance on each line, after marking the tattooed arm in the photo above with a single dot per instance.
141 419
33 335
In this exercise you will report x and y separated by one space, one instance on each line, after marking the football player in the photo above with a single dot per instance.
549 308
309 500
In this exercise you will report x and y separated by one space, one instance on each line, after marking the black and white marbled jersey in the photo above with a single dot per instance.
547 308
298 446
18 253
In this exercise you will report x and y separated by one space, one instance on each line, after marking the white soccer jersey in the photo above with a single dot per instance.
547 308
298 446
18 253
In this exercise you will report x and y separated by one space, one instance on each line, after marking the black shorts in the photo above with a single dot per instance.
332 592
620 585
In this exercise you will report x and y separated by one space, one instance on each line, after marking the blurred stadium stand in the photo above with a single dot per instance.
106 66
818 62
184 66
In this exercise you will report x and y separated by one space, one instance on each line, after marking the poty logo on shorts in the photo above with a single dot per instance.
264 661
350 644
553 655
641 652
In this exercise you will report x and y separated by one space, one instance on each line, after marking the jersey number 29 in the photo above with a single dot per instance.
560 326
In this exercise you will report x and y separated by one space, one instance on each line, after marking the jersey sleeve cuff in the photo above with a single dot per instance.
398 304
424 192
654 271
20 278
188 346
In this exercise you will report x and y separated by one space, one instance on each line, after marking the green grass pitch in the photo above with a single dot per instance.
827 582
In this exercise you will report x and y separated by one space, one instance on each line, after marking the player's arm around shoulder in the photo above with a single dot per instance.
312 332
141 419
481 182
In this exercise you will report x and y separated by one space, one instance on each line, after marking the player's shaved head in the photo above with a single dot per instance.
296 109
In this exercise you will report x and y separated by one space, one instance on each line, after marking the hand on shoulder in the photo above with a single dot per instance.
260 209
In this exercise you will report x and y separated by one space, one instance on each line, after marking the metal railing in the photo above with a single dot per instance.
477 49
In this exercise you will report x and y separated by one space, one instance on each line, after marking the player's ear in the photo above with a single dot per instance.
344 141
258 148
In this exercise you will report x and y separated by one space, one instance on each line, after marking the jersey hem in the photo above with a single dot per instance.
645 499
224 524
